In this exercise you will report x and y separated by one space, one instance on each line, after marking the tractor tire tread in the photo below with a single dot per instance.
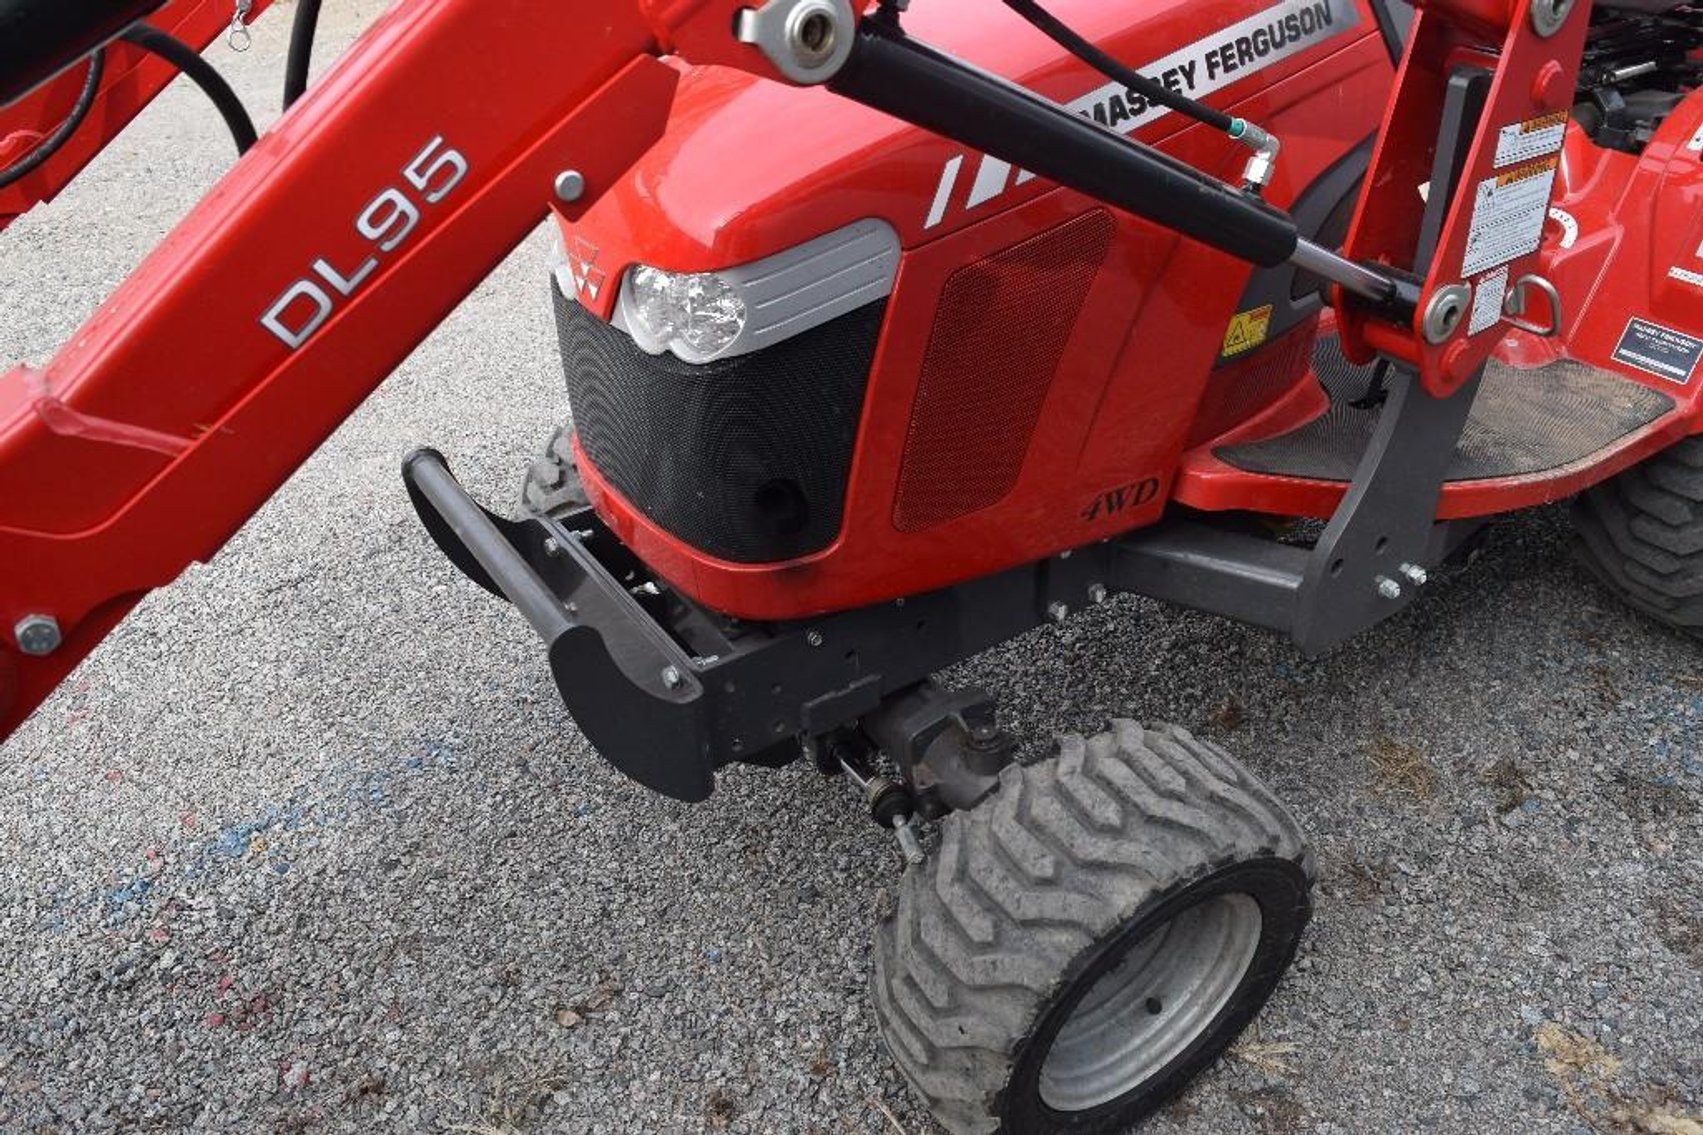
1025 885
1641 534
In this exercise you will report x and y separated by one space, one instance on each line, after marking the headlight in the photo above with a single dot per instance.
703 316
696 316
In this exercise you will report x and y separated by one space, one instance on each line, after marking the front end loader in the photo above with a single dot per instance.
892 332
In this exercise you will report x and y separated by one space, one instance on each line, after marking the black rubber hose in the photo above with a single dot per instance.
301 51
201 73
1055 30
50 145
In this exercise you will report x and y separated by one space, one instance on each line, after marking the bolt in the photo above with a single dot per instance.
1096 593
552 546
1415 574
672 678
570 186
1057 612
813 637
38 635
1388 587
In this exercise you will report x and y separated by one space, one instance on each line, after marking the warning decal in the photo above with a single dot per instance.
1212 64
1696 143
1487 298
1247 331
1533 138
1508 215
1660 351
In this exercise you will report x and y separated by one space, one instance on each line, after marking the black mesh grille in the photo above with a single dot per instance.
743 458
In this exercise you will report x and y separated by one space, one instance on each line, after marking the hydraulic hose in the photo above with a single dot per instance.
912 81
1060 33
50 145
1264 145
302 33
202 74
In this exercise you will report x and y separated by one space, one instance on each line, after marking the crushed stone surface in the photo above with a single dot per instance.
310 844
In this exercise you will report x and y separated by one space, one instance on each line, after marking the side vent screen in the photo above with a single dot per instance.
998 337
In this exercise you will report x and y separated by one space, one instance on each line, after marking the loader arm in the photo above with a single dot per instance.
433 147
297 285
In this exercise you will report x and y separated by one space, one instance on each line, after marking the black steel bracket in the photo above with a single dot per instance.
669 692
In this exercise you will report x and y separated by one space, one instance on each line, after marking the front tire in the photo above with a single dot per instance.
1641 533
1092 936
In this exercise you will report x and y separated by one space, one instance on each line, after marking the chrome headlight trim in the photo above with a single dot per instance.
790 292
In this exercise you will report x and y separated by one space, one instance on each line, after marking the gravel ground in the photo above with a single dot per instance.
311 846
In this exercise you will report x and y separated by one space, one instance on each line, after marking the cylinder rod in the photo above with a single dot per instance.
1354 278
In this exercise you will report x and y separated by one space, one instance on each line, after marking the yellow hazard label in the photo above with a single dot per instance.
1526 173
1248 330
1547 122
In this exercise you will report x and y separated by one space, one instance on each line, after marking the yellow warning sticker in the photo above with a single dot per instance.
1248 330
1533 138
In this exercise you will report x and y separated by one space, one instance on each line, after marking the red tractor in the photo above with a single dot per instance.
889 335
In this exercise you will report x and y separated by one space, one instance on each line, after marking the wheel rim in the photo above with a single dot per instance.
1163 994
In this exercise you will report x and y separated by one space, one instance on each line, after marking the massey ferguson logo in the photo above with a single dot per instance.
1198 70
587 279
1121 499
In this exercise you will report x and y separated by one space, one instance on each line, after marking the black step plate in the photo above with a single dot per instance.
1524 422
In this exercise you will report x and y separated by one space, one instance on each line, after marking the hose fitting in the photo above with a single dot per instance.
1257 174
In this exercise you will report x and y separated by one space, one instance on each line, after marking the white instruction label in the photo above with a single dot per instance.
1687 276
1533 138
1508 215
1488 294
1696 143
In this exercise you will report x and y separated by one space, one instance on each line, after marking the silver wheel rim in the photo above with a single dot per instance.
1141 1015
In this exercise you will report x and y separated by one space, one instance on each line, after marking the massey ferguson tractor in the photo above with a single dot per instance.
893 331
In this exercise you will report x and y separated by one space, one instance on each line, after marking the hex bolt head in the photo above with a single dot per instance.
1057 612
552 546
1415 574
813 637
672 678
570 186
38 635
1388 587
1096 593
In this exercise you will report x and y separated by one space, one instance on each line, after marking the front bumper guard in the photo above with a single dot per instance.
608 656
668 692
